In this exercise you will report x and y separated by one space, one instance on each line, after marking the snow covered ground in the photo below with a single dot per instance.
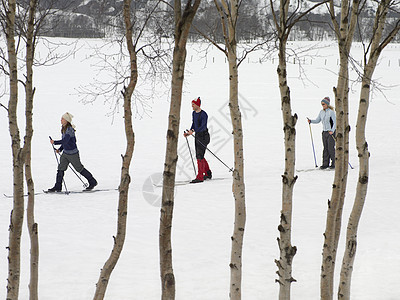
76 231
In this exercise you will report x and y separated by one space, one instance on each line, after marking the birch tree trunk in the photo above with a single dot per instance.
21 156
344 32
238 186
287 251
183 21
284 25
375 49
119 240
17 213
33 232
29 94
229 12
29 24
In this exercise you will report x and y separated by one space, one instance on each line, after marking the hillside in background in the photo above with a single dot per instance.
96 18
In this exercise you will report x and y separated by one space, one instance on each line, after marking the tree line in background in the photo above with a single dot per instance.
99 19
23 24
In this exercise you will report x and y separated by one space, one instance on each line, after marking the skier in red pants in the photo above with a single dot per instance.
202 139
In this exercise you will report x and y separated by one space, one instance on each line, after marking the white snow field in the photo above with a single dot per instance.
76 230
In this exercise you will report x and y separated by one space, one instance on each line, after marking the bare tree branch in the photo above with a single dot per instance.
5 107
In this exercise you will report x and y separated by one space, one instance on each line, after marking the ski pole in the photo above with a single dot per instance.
312 143
58 164
230 169
85 185
348 162
194 168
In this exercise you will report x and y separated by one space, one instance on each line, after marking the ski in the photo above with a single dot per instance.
79 192
315 169
56 193
25 195
185 182
66 193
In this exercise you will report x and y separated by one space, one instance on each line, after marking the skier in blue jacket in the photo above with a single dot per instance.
70 154
328 118
202 139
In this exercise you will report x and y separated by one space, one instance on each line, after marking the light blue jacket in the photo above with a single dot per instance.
328 119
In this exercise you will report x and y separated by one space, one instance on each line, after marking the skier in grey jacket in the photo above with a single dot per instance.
328 118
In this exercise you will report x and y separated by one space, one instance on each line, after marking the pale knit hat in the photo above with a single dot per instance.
68 117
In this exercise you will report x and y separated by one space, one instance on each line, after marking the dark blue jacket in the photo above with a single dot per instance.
199 123
68 142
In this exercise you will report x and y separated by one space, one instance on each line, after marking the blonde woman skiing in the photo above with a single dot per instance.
328 118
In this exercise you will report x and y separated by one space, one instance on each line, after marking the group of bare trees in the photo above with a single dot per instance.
345 25
286 14
21 155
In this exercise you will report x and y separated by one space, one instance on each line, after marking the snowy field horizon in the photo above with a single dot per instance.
76 230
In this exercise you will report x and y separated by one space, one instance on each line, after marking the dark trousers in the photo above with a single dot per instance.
73 159
329 148
202 139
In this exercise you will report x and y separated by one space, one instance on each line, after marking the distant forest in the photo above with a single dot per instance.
99 19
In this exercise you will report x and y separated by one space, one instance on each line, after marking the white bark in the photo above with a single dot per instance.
183 21
287 251
362 147
17 214
229 11
238 186
119 240
344 32
29 94
283 25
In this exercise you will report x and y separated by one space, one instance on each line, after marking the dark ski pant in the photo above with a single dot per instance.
72 159
75 160
202 139
329 148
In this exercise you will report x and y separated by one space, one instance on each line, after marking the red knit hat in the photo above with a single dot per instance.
197 101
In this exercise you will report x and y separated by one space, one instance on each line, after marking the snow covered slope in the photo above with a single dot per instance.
76 231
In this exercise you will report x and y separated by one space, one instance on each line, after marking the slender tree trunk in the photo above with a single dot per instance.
344 32
17 214
33 233
362 148
287 251
238 186
229 11
29 94
284 24
171 158
335 205
183 23
351 237
119 240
